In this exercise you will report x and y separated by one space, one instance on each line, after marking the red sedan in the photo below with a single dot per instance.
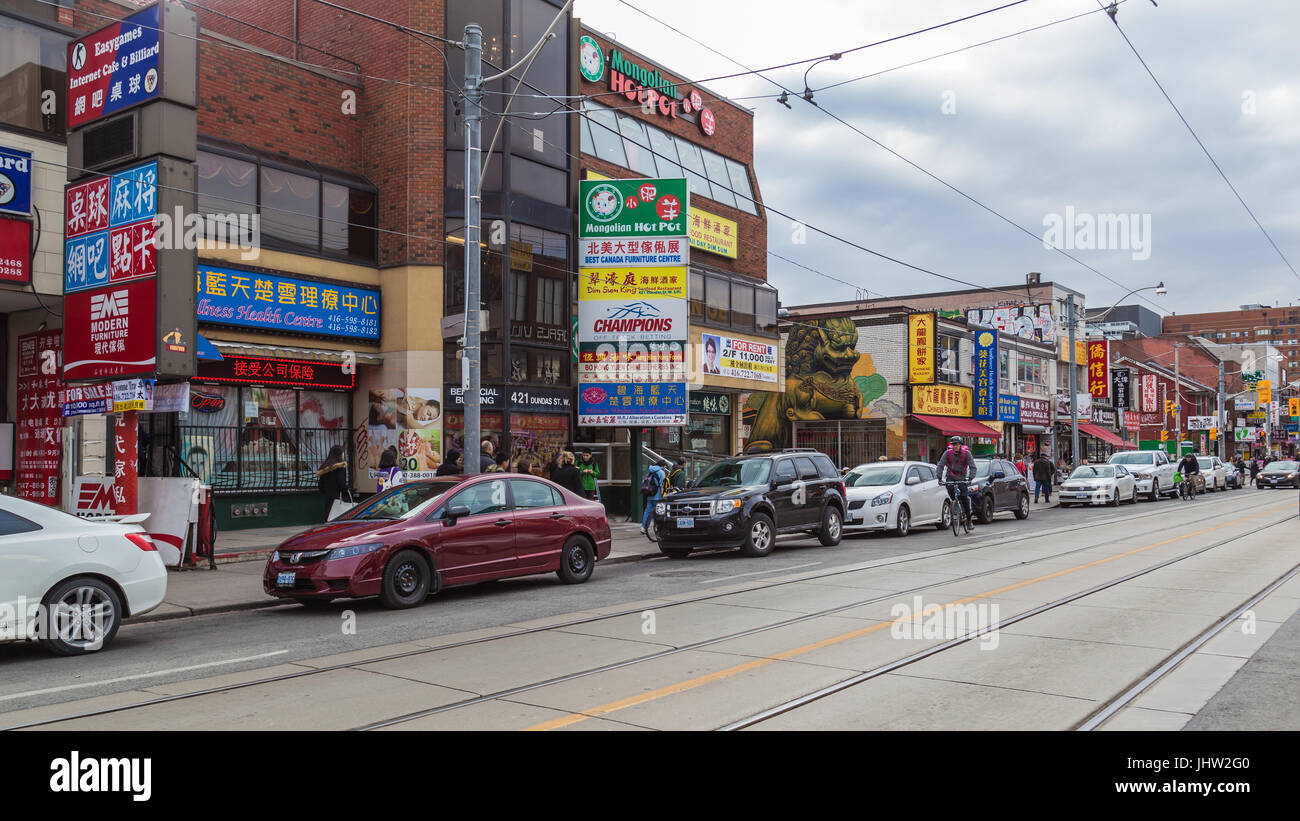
410 541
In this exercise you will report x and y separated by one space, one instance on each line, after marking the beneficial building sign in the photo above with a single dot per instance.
115 68
920 348
634 312
986 375
941 400
229 296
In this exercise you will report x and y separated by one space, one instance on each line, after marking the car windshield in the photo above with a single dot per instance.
1132 459
874 475
1206 464
739 472
982 469
1093 472
398 502
1281 467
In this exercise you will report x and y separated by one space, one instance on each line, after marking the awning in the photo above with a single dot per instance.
956 426
1103 434
282 352
206 351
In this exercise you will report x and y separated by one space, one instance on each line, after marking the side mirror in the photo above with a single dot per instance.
914 480
999 475
451 514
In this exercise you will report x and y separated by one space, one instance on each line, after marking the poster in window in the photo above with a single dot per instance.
403 430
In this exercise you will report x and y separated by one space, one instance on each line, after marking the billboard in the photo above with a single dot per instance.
114 68
632 403
250 299
737 358
920 348
941 400
1098 368
1034 322
986 375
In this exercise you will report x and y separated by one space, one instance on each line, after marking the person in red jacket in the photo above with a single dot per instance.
1021 466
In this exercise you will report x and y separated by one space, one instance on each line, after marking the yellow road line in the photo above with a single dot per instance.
690 684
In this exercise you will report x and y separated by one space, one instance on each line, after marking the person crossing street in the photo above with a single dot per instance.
1043 475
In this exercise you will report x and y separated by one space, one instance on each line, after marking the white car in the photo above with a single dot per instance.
1098 484
895 496
1151 469
1214 471
70 582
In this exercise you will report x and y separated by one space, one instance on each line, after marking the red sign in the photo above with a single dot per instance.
298 373
115 68
85 208
707 123
1098 368
1149 394
15 250
111 331
39 439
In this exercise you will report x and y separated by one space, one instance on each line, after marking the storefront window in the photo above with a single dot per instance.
1004 370
605 137
637 146
697 298
742 306
949 359
740 184
1032 371
717 297
765 310
33 61
290 207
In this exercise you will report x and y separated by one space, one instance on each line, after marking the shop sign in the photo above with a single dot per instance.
115 68
1083 404
230 296
941 400
1119 381
521 256
114 334
15 181
632 403
292 373
920 348
632 362
606 283
15 250
642 208
132 395
1033 322
207 402
532 400
643 320
1243 404
1200 422
406 422
38 438
173 398
1149 390
986 375
92 497
645 86
737 358
1008 408
108 229
631 253
715 234
1035 412
1098 365
1104 416
529 332
714 403
1080 351
489 397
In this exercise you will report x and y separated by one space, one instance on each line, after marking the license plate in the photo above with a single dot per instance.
286 579
688 521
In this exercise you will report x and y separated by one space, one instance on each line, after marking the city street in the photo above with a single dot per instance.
1087 603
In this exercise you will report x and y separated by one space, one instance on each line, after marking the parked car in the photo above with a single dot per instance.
412 540
895 496
998 486
1197 479
746 501
1214 471
1098 484
86 576
1279 474
1151 469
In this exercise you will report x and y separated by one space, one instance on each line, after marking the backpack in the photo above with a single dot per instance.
650 485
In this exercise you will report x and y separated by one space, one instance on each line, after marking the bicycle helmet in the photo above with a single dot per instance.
956 440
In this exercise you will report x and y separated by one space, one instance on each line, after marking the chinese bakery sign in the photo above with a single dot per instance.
115 68
39 438
229 296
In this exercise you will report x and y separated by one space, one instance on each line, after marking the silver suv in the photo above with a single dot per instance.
1151 469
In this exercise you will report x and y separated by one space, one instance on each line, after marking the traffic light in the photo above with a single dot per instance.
1293 406
1169 406
1164 436
1214 434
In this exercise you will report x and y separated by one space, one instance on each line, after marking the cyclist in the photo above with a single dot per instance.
956 469
1188 466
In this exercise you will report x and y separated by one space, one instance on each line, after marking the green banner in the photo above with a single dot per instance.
642 208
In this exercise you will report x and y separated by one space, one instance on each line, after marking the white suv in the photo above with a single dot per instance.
1151 469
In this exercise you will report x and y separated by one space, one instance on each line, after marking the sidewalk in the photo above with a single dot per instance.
236 584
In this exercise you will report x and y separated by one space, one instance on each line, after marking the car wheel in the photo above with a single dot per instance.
832 527
82 616
1022 512
761 539
1155 491
675 552
576 561
986 510
406 580
945 517
904 525
1133 497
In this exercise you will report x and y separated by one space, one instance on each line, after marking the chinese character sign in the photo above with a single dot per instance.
1098 364
1119 379
941 400
108 229
39 428
986 374
1149 399
115 68
230 296
920 348
640 403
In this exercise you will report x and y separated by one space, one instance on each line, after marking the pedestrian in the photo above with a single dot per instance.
566 475
677 476
589 469
390 475
452 466
1042 477
486 458
1253 465
656 477
525 464
500 464
1020 464
333 478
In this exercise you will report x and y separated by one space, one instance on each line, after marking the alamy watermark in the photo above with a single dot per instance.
951 621
234 231
85 625
1098 232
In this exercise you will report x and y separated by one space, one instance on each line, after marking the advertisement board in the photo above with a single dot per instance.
404 429
108 228
1150 401
1034 322
631 253
1008 408
657 282
1119 382
941 400
39 434
920 348
643 320
632 362
647 209
251 299
1035 411
986 375
114 68
110 331
632 403
15 250
1098 368
737 358
15 181
715 234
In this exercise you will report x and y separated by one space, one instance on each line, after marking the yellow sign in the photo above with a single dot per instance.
521 256
920 348
633 283
592 175
1265 391
1293 406
712 233
942 400
133 405
1080 351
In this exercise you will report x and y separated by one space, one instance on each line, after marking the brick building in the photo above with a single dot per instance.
1250 324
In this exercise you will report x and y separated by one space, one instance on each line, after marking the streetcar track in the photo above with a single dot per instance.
859 678
671 651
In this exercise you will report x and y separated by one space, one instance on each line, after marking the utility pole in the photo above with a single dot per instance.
473 257
1074 391
1178 404
1222 418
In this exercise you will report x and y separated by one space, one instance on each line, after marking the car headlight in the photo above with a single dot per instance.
275 555
353 550
725 506
882 499
1290 476
661 509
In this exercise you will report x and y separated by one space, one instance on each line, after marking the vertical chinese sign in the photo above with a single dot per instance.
1098 368
633 290
920 348
1149 398
986 375
39 436
1119 380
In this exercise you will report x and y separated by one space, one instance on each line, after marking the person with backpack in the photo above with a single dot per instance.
956 469
1020 464
677 476
652 490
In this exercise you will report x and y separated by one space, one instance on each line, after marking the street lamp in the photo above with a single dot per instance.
807 92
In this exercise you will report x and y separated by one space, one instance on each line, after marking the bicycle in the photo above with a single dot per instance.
961 513
1187 489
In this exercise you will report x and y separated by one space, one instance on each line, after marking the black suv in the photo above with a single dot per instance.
998 486
745 501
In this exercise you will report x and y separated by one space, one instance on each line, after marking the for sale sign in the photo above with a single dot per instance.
115 68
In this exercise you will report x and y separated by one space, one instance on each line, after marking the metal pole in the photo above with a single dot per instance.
1074 392
473 257
1222 418
1178 404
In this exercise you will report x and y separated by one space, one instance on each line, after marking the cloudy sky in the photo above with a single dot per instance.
1056 119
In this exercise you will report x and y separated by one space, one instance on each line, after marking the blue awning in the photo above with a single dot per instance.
206 351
